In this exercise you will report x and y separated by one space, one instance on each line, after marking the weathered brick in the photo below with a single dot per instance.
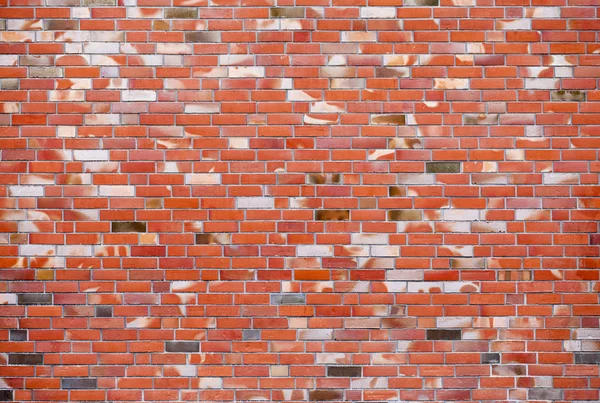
202 37
182 346
60 25
288 299
128 226
34 299
44 72
18 335
104 311
325 394
564 95
545 394
490 358
287 12
349 372
251 334
404 215
443 334
388 119
79 383
442 167
25 359
181 13
587 358
332 215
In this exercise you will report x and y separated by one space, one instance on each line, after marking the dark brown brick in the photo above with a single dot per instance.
325 394
442 167
397 191
421 3
287 12
200 37
443 334
348 372
332 215
182 346
104 311
391 72
34 299
595 239
6 395
128 226
60 25
405 215
181 13
25 359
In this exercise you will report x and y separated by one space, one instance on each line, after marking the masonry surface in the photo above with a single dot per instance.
309 200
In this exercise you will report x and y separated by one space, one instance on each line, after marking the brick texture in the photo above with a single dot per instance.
309 200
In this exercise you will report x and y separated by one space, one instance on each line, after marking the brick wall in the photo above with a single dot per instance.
310 200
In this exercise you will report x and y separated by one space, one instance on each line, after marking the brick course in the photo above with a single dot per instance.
310 200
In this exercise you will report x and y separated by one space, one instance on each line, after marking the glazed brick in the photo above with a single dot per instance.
221 201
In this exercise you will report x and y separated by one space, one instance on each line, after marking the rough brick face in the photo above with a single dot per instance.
316 200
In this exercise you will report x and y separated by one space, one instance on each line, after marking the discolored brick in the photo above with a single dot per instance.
128 226
332 215
442 167
9 84
545 394
405 215
397 191
320 179
251 334
443 334
181 13
490 358
325 394
45 72
18 335
182 346
388 119
60 25
34 299
199 37
92 3
26 359
288 299
286 12
79 383
6 395
421 3
587 358
104 311
349 372
569 96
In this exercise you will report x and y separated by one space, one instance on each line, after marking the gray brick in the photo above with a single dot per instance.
45 72
183 347
587 358
2 25
251 334
104 311
18 335
443 334
200 37
26 359
545 394
442 167
79 383
128 226
6 395
34 299
9 84
288 299
490 358
93 3
348 372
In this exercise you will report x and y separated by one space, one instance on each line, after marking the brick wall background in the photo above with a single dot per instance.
309 200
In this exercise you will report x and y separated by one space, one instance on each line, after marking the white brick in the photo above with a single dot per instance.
74 250
378 12
91 155
370 239
8 299
26 191
138 96
461 215
202 179
117 190
100 47
210 383
385 251
315 250
36 250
